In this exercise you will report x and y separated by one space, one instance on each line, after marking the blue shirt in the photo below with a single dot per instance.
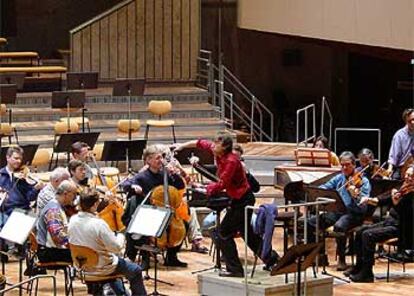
402 147
20 192
350 202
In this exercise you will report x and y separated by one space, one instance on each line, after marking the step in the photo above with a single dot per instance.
115 112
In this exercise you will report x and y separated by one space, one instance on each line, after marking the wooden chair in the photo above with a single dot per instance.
78 120
55 266
85 258
42 157
393 242
59 129
160 108
124 126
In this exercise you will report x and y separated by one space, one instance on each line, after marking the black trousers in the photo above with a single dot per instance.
53 255
368 236
232 224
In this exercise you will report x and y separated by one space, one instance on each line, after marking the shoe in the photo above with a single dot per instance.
226 273
341 265
352 270
199 249
174 263
364 276
273 260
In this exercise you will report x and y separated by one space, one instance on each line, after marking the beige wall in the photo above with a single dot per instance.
387 23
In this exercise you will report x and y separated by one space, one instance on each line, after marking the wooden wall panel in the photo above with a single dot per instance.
77 51
158 48
140 28
152 39
149 38
195 36
167 40
104 48
185 39
113 46
176 39
86 49
95 47
131 59
122 42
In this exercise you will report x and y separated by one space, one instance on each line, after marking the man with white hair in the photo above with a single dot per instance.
58 175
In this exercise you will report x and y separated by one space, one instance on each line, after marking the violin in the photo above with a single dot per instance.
354 183
380 171
23 173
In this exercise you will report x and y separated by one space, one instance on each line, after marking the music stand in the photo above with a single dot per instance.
129 87
17 230
67 100
297 259
123 150
160 219
184 154
13 78
65 142
81 80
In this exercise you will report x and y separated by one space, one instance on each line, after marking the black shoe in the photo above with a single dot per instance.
273 260
352 270
364 276
174 262
341 265
231 274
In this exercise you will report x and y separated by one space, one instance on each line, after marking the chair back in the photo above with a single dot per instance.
3 109
159 108
124 126
62 127
83 257
33 242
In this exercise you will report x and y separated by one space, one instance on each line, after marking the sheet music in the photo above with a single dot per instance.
147 221
18 227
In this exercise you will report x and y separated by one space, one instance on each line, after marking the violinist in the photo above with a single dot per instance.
52 232
81 151
137 188
48 192
232 179
21 192
402 146
367 165
399 223
78 173
357 187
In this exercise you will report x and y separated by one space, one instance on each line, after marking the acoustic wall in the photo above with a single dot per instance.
152 39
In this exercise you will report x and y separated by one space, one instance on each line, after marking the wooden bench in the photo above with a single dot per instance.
20 55
36 69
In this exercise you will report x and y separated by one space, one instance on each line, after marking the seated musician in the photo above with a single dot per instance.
86 229
81 151
367 165
48 192
402 146
137 188
52 237
354 215
399 223
20 190
232 179
77 172
322 142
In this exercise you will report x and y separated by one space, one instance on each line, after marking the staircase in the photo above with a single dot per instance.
194 116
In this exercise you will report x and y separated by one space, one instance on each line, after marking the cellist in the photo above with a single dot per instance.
137 188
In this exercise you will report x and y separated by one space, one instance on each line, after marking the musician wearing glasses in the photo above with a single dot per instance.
402 147
231 179
81 151
351 189
137 189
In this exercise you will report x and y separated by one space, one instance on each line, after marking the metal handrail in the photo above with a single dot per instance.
305 110
360 129
101 16
323 106
37 277
320 201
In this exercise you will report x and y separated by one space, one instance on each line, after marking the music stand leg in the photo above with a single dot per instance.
155 292
217 265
